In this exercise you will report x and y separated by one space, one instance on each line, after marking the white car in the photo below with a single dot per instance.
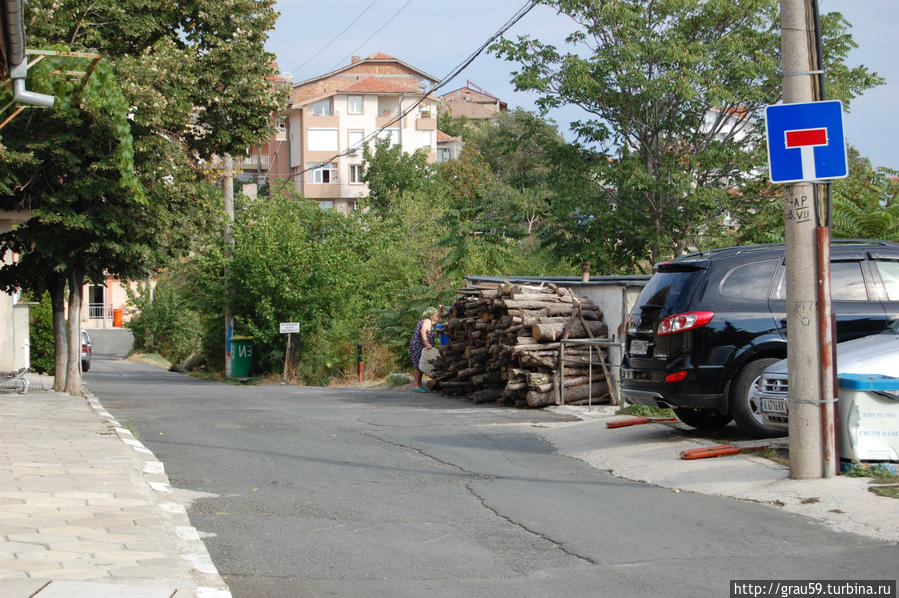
87 349
875 354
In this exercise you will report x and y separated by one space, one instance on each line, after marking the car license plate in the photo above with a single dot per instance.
774 406
639 347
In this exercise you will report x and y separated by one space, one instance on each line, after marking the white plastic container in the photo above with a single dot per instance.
869 417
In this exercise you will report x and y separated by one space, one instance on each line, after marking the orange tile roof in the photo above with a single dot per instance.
443 137
380 56
373 85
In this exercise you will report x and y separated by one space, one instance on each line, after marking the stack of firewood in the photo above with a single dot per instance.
504 346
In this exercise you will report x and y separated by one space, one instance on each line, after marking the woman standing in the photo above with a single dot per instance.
422 338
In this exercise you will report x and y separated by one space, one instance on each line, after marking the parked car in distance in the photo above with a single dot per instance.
875 354
706 325
87 349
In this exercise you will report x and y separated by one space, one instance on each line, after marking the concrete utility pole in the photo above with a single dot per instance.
809 330
228 189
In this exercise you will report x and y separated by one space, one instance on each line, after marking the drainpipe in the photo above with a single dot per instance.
400 114
20 94
18 59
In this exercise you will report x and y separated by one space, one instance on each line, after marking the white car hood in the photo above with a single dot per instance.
875 354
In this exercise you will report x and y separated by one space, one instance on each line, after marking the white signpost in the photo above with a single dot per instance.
288 328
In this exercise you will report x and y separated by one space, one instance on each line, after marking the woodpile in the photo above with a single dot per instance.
504 346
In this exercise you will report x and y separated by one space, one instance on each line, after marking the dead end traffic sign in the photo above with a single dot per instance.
806 142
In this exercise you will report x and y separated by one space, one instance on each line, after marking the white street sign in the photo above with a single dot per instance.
288 327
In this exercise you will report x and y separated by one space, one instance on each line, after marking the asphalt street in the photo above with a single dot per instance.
350 492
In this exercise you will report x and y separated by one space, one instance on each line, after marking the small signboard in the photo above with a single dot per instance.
289 327
806 142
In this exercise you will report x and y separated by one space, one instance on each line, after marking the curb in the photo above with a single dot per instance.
210 583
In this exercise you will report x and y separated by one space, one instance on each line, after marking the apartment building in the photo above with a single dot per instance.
330 117
473 102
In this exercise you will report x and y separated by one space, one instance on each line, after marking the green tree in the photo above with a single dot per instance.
866 203
390 172
865 206
292 262
520 147
194 79
673 90
81 158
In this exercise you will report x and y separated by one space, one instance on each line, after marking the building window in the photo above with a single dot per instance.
322 140
323 107
282 124
324 174
444 155
326 205
428 139
354 140
354 104
355 173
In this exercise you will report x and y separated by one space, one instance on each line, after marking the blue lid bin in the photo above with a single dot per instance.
869 417
441 331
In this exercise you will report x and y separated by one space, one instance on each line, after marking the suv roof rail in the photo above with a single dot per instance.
765 246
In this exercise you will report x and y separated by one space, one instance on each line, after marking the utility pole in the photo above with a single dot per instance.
228 189
809 322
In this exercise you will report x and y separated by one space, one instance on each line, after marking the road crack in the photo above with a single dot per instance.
559 545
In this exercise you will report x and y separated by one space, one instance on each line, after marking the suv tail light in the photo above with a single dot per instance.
685 321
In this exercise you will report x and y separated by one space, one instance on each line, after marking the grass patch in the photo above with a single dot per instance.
397 379
780 456
883 481
150 359
645 411
877 473
887 491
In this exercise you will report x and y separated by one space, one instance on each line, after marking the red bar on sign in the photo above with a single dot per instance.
806 137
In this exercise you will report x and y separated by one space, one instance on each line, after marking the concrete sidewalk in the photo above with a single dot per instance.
651 453
86 510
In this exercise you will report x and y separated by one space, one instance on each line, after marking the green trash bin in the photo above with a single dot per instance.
241 356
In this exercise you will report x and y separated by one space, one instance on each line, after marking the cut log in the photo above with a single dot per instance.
542 399
553 331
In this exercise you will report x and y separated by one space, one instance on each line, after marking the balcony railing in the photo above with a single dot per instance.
252 161
99 311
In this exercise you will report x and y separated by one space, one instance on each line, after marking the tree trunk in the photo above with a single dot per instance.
73 364
57 289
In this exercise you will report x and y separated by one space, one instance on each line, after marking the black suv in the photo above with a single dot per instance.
707 324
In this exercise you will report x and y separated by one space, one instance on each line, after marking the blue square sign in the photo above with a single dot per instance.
806 142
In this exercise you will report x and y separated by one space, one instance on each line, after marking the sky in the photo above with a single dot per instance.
311 39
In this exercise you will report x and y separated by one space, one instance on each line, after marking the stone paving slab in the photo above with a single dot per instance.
87 511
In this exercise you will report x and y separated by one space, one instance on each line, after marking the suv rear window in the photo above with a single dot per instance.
749 281
670 288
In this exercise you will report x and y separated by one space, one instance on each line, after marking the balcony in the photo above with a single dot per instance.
425 124
252 162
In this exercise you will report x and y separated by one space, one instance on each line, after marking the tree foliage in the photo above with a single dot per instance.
672 90
866 203
390 172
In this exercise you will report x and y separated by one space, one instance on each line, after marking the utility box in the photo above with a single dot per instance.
869 417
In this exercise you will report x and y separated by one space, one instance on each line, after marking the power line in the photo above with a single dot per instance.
377 31
336 37
525 9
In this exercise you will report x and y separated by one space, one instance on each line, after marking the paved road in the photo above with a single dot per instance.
332 492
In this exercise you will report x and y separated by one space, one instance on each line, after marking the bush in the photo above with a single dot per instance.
43 346
163 321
